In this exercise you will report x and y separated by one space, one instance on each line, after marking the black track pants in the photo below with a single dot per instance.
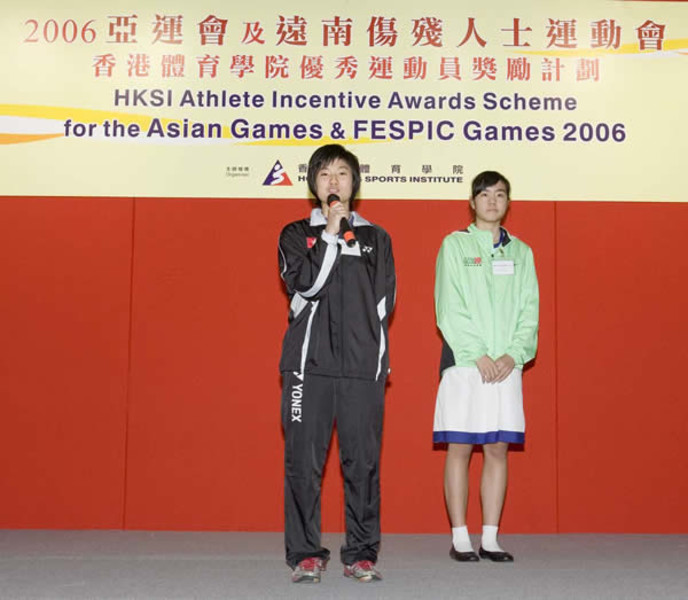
310 407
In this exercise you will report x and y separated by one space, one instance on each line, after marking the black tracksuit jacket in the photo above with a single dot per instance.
341 299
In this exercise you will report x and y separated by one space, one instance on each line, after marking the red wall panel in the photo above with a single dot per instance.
531 504
209 312
64 303
204 432
189 437
622 290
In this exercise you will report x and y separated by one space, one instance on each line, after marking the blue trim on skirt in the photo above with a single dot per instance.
489 437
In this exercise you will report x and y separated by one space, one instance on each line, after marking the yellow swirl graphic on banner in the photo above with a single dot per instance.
61 113
668 47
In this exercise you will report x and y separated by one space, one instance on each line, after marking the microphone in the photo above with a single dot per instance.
344 226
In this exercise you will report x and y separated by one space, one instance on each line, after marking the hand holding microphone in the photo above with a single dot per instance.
348 235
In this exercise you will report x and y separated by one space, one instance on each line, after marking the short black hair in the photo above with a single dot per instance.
487 179
326 155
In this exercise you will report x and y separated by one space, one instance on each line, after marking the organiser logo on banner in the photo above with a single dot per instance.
277 176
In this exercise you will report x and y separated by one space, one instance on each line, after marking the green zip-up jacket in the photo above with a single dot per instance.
486 299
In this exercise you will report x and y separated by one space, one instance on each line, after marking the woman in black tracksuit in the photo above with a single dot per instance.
334 365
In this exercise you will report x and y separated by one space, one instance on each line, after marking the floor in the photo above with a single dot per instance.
205 566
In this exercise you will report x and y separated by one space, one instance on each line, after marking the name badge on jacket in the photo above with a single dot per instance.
502 267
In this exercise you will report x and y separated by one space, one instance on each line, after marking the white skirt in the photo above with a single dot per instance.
468 411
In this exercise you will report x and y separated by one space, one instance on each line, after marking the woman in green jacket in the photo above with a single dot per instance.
487 306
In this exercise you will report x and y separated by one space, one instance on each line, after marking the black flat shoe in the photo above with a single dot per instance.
463 556
496 556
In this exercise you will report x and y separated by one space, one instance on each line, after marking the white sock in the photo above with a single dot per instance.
489 540
460 539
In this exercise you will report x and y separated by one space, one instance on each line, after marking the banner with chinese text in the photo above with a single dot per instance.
571 100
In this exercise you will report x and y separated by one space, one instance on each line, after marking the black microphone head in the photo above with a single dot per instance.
332 198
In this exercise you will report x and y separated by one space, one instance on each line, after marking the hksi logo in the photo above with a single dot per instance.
310 242
472 262
277 176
